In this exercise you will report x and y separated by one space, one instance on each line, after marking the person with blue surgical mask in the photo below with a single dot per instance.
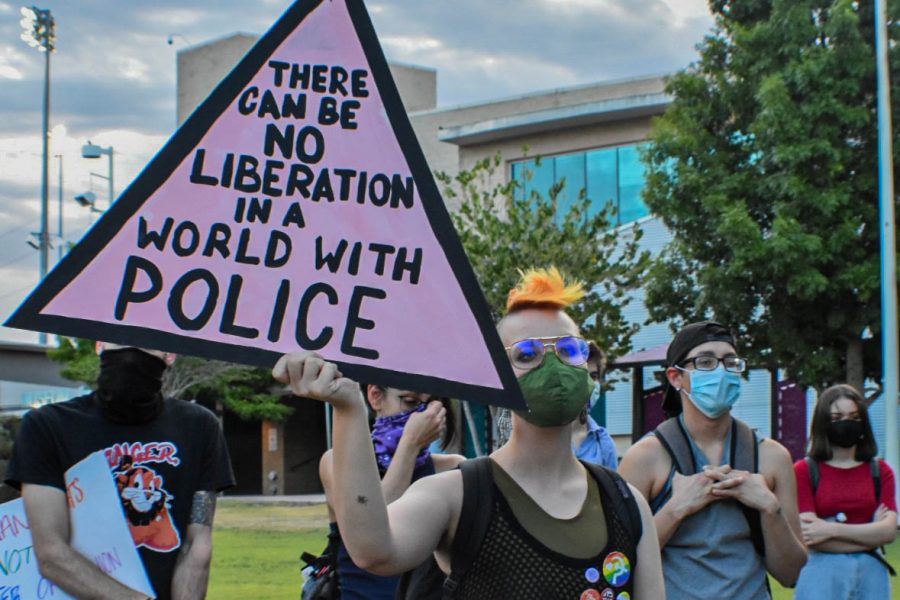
724 498
591 441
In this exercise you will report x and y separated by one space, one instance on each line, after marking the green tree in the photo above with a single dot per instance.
764 169
503 232
247 391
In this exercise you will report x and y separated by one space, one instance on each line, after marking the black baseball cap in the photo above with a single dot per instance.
689 337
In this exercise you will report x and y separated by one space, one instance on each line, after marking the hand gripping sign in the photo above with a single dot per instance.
99 532
293 210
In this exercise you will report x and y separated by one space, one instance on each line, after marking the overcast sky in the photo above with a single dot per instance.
113 80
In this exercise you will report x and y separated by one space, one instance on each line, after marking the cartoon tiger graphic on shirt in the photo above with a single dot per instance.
147 504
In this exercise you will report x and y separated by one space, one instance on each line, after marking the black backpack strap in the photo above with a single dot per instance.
876 479
813 466
744 447
474 518
623 502
674 439
745 457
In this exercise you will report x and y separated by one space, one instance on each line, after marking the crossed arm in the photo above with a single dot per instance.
826 536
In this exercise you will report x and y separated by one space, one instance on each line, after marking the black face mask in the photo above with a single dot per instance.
128 388
845 433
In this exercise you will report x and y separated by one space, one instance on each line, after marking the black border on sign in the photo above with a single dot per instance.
185 140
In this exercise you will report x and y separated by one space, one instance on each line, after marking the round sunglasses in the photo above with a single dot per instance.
529 353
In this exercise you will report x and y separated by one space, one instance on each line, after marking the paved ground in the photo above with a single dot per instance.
300 500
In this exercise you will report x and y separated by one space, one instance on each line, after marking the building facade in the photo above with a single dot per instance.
590 135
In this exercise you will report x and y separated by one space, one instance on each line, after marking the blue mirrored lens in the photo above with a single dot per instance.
526 352
572 350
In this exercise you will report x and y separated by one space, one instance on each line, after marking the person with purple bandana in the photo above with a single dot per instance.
406 423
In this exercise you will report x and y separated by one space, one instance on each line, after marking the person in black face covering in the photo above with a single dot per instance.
167 457
847 503
129 387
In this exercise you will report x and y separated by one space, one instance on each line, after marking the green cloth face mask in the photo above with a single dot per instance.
555 392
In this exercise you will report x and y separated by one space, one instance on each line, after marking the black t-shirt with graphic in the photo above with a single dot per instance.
157 466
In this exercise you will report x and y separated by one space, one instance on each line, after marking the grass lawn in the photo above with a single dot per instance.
257 549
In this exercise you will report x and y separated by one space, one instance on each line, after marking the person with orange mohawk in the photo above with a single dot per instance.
530 521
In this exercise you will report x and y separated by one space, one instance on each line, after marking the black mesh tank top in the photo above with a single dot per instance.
513 564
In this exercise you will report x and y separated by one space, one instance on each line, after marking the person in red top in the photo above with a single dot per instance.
846 511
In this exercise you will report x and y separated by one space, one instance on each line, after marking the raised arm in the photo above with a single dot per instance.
418 521
421 429
48 518
192 568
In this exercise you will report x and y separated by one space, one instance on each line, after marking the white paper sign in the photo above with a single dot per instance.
19 575
99 529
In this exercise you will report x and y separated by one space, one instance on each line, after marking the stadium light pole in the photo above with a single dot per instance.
59 252
39 33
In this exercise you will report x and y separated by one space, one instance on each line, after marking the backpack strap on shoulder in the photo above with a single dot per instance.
876 478
474 518
745 457
623 501
744 447
674 439
813 466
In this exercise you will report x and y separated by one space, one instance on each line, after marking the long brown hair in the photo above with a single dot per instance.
819 446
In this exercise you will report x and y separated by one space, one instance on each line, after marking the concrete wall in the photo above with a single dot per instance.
27 363
201 68
28 378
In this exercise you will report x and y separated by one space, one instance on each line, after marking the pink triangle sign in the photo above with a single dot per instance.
293 210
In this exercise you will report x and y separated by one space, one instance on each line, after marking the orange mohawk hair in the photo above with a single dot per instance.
543 288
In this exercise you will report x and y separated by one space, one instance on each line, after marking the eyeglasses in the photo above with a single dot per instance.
529 353
711 363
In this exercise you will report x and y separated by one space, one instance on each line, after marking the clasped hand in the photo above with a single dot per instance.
692 493
750 489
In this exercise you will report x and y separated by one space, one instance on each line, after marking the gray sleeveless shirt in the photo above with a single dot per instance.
711 554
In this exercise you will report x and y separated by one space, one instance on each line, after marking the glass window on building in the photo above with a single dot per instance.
606 175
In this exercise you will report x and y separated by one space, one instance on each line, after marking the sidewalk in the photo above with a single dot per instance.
297 500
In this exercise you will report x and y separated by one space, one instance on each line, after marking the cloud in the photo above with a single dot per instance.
541 43
113 79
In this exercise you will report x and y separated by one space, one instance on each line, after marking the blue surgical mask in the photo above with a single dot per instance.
595 395
714 392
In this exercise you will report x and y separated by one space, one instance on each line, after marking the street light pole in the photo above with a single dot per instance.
91 150
888 239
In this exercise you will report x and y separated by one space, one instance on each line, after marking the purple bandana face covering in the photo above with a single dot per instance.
386 437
